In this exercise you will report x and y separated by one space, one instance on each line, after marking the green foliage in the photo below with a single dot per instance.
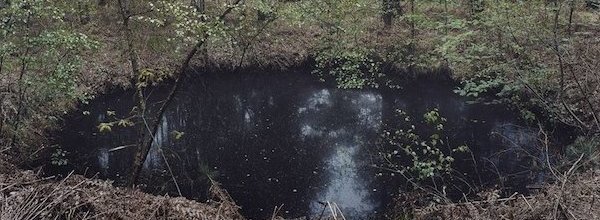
500 54
351 69
187 24
149 77
41 57
340 55
482 88
266 8
105 127
420 155
59 157
125 123
113 121
341 16
177 134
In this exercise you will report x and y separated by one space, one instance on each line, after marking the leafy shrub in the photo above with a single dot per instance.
418 154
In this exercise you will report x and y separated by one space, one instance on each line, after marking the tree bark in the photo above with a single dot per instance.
133 60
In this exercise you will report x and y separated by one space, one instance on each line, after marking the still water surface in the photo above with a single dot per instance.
288 139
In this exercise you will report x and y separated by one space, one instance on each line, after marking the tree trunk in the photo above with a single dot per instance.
391 9
133 59
571 10
21 96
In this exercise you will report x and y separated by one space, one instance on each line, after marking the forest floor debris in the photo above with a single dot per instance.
576 199
26 195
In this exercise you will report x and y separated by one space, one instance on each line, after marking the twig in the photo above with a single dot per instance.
527 202
26 183
546 143
511 198
169 168
121 147
339 210
5 149
276 210
323 210
564 182
331 210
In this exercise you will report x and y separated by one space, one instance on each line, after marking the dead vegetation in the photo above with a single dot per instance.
25 195
573 198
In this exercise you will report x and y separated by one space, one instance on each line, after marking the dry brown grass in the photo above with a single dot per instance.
25 195
576 199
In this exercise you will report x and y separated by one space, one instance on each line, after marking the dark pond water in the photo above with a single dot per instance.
288 139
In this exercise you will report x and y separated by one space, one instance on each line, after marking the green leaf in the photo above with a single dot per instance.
104 127
177 134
